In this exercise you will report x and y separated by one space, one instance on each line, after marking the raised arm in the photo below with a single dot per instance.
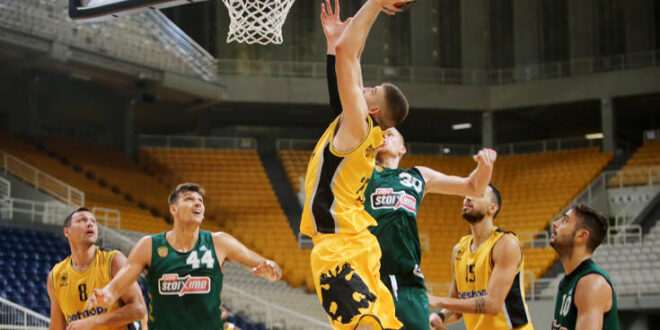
474 185
229 248
353 127
57 321
133 308
333 27
506 258
126 277
593 298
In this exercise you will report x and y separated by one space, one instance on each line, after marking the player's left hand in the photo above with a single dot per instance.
84 324
268 270
486 157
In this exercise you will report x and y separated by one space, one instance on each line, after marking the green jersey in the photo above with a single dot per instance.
393 197
565 310
184 288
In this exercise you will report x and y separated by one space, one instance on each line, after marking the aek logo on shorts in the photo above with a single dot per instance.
172 284
387 198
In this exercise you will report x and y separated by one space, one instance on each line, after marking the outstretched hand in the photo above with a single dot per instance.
268 270
331 22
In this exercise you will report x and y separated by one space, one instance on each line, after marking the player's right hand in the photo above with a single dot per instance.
101 298
436 323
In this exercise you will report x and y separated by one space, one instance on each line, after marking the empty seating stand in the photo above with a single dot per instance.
27 256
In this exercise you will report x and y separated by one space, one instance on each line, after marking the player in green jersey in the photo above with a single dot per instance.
585 297
184 268
393 197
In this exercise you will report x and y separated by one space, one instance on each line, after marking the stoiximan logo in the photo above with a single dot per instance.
172 284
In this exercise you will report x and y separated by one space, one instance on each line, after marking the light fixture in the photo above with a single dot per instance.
461 126
594 136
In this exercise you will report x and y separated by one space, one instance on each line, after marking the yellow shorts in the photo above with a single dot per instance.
346 270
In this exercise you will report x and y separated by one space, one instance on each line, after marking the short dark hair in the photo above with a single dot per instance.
185 187
396 103
498 199
67 220
594 222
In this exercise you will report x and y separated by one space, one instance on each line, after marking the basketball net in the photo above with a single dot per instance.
257 21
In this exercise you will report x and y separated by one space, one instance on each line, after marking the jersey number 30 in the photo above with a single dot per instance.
207 259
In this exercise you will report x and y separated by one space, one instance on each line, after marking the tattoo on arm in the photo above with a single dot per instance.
480 305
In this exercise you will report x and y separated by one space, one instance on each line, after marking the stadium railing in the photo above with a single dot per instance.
467 149
5 188
578 66
202 142
596 195
42 180
36 211
53 213
16 317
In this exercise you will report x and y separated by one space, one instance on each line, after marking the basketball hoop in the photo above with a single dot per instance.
257 21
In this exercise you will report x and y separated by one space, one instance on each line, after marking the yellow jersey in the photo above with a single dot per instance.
335 183
71 288
472 271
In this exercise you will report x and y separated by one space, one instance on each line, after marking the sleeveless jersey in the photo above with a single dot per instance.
184 288
335 184
393 197
472 272
565 309
71 288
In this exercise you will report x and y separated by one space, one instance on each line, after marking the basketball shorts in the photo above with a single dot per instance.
346 271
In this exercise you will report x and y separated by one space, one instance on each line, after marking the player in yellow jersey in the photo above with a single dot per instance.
487 268
87 268
345 260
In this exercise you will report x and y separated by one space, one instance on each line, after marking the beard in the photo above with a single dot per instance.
563 248
474 217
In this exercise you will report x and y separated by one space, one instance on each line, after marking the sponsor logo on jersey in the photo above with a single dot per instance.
162 251
387 198
173 284
85 314
472 294
64 279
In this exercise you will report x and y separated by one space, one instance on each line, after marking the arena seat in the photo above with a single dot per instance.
29 254
535 187
133 217
633 267
636 171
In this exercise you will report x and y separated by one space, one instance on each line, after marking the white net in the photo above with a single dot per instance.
257 21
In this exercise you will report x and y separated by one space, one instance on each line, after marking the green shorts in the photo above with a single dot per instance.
412 308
